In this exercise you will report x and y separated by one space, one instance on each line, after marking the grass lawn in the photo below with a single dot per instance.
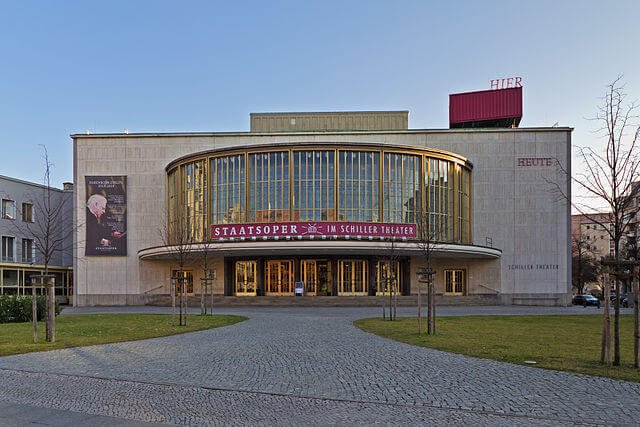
76 330
566 343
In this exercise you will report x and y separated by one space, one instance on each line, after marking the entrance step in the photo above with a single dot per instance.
326 301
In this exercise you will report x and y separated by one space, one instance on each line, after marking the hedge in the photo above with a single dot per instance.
16 308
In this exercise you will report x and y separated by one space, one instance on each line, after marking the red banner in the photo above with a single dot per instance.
313 229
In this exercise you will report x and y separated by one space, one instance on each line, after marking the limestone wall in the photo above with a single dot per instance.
516 205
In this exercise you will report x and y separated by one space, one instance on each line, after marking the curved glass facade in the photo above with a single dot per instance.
345 184
314 186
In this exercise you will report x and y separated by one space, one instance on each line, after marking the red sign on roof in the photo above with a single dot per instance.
487 108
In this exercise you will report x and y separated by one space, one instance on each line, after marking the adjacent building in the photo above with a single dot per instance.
593 231
30 213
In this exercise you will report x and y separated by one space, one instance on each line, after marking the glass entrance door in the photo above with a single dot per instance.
388 277
353 277
279 276
316 275
245 278
309 275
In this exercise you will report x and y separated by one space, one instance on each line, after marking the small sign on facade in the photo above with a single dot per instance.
299 289
535 161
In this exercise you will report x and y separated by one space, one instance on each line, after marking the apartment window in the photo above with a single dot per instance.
8 209
28 251
27 212
7 248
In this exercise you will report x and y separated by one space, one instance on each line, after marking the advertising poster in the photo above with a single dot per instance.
106 215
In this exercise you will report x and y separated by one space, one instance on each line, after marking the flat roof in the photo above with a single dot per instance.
353 132
33 184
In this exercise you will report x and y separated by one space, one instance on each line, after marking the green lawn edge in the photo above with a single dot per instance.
80 330
563 343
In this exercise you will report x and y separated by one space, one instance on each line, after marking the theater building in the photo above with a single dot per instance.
335 204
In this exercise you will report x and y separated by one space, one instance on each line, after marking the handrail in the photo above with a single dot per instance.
490 288
153 289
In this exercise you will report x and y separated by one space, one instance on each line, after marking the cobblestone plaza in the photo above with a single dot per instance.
305 366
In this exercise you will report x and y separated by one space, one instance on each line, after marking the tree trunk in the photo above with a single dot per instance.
202 291
50 324
429 326
605 351
433 307
183 308
389 285
636 318
395 300
616 326
34 311
579 286
173 302
419 309
211 293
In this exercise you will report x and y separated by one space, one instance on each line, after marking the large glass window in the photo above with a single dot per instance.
8 209
269 187
28 251
313 186
193 178
401 188
464 205
172 211
228 189
358 186
439 186
7 248
327 184
27 212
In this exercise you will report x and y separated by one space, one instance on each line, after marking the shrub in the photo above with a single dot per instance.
17 308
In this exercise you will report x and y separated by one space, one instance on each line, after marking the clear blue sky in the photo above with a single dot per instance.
72 66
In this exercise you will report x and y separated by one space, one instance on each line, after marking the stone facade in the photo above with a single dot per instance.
517 208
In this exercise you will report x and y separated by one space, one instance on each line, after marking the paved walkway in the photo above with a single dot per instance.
302 366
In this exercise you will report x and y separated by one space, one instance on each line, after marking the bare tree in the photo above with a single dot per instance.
207 275
49 235
607 180
426 245
389 264
177 237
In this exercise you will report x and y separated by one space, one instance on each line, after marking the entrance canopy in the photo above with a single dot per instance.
321 247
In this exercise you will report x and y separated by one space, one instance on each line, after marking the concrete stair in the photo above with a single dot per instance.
327 301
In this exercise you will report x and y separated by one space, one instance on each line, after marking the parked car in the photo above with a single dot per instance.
585 300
